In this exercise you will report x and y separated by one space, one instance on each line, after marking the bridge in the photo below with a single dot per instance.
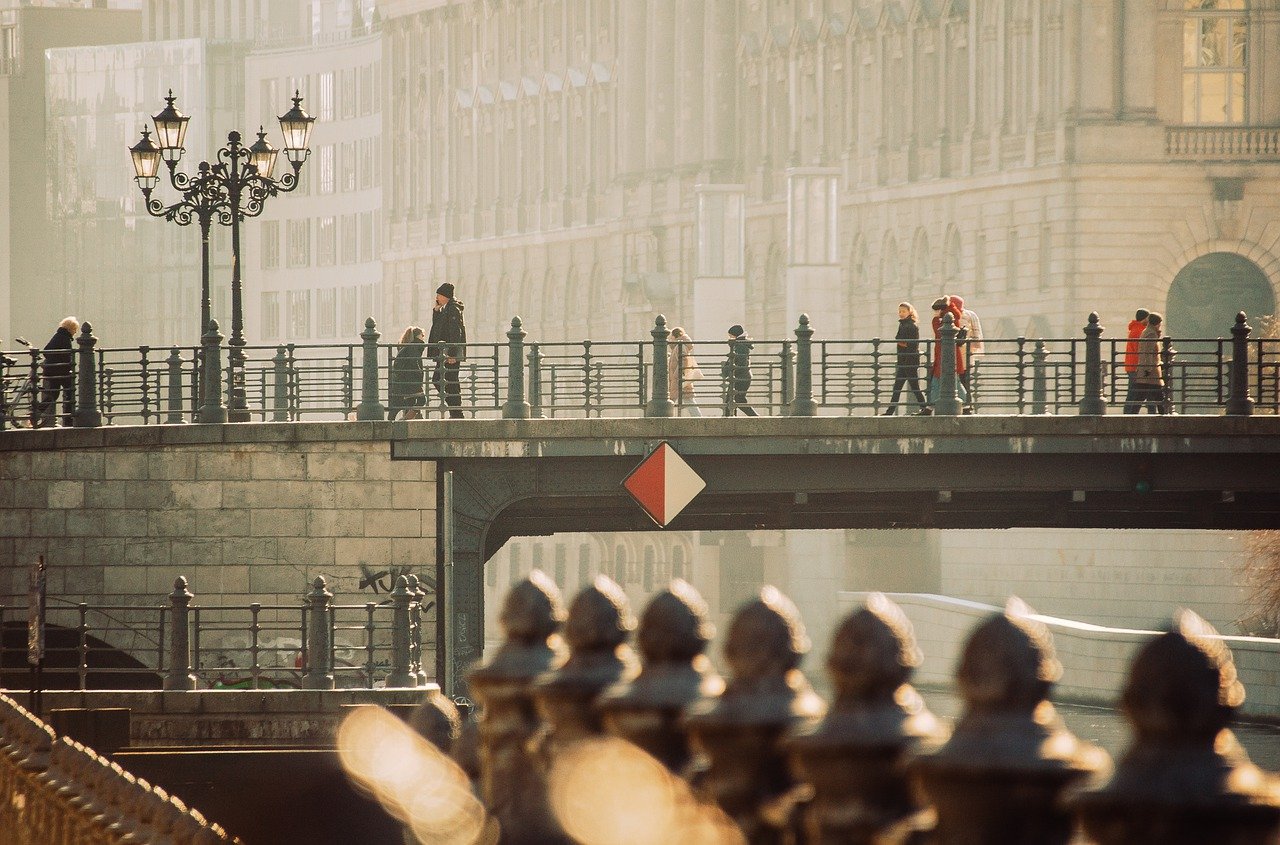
258 510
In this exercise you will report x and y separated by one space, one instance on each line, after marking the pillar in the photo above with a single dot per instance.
719 286
813 269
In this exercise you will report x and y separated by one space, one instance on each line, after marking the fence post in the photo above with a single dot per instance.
786 377
174 363
1240 403
535 382
370 408
280 387
86 413
1093 403
419 595
180 676
803 404
948 404
319 674
660 404
1039 380
401 637
516 408
211 409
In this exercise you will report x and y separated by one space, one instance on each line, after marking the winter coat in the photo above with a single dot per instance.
407 377
908 345
953 308
57 355
737 365
448 331
1136 328
1149 369
682 369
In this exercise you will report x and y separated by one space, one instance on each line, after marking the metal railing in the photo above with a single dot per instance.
181 645
792 376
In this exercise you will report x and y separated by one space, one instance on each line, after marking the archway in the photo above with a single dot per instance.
1207 293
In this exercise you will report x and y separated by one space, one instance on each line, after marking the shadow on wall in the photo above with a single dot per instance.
108 666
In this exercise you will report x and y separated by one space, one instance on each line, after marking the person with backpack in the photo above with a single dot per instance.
1137 326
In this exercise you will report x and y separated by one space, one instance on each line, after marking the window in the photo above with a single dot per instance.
584 565
513 574
350 316
1011 256
366 236
1215 54
561 566
347 165
1046 255
350 239
326 242
365 165
326 169
347 96
299 314
326 96
270 328
327 313
270 244
300 243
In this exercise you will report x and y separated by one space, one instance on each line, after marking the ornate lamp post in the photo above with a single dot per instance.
236 186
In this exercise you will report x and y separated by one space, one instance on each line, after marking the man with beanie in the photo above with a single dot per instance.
446 344
736 372
1137 326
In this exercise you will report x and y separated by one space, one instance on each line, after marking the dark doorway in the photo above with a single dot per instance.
1208 292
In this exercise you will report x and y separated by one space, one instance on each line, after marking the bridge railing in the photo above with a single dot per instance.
184 645
800 375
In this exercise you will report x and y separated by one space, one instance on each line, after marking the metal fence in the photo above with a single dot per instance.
793 376
180 644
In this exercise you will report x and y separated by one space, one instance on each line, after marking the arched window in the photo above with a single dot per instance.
1215 56
513 574
620 565
650 564
584 565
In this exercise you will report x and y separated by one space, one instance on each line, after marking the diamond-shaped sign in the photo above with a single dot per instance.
663 484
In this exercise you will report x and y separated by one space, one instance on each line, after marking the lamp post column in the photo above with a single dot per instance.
236 410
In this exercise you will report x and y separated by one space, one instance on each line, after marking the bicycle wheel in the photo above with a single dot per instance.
18 406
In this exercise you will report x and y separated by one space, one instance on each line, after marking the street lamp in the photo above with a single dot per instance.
236 186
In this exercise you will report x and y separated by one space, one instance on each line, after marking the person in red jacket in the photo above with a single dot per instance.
1136 327
945 305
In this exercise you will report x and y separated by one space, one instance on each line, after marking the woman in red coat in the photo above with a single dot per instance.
945 305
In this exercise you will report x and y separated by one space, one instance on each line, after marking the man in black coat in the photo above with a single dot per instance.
447 344
58 375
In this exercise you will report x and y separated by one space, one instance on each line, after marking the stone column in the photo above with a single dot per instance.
1099 74
660 127
813 269
1140 56
720 285
632 46
720 75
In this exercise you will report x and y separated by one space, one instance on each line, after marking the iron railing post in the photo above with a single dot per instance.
415 626
211 409
280 385
401 662
180 676
82 645
174 363
660 404
319 652
948 404
516 407
786 377
1093 403
535 382
370 408
86 413
803 405
1240 403
1039 386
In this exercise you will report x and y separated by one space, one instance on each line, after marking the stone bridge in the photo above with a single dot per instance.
252 512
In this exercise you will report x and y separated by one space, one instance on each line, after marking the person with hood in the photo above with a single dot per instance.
1149 373
682 372
1137 326
907 373
58 375
945 305
407 392
447 344
736 371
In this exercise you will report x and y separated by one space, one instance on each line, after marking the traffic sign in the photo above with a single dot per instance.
663 484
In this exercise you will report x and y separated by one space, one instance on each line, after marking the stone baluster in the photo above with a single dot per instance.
511 786
436 720
1009 736
370 408
1184 780
1240 403
516 407
319 674
280 385
660 404
211 408
401 674
1093 402
803 404
741 732
855 758
673 634
174 373
180 675
596 632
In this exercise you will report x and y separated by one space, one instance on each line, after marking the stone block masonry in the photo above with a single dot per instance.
244 513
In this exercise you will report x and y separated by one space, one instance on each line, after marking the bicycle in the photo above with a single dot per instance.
19 392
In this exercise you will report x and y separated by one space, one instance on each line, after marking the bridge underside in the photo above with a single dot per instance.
541 477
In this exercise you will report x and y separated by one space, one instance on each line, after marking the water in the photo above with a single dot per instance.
1107 728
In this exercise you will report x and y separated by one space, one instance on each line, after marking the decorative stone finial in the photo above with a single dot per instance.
672 636
1185 780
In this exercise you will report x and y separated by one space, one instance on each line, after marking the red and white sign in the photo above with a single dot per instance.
663 484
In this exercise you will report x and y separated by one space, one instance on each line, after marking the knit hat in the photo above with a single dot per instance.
737 330
446 289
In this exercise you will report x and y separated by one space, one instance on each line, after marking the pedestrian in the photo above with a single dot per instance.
1136 327
448 347
57 376
736 372
970 335
408 384
907 372
682 372
1149 373
945 305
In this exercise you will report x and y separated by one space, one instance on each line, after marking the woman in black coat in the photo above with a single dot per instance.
907 371
408 386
